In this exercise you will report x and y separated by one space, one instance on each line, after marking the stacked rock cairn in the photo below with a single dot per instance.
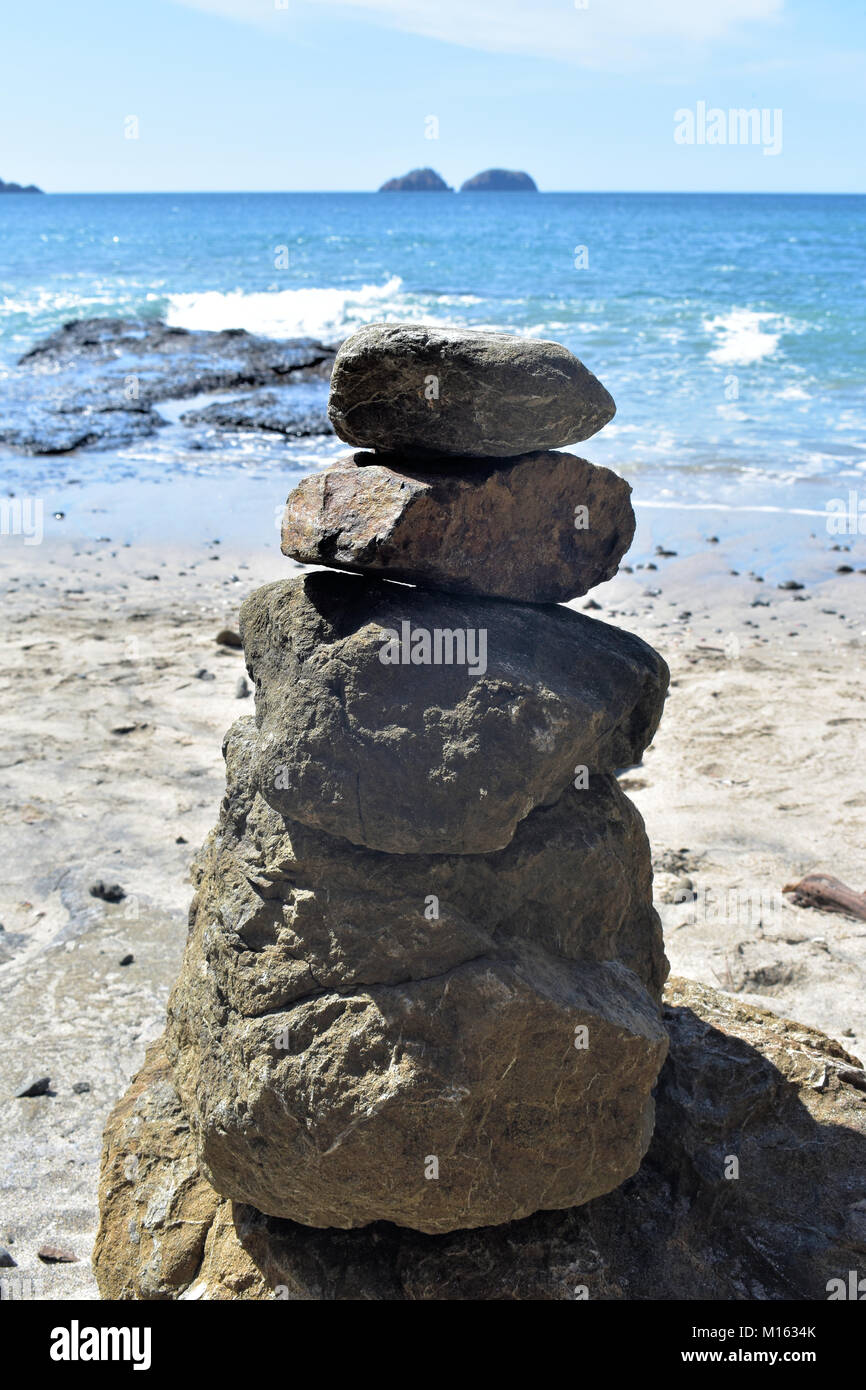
423 978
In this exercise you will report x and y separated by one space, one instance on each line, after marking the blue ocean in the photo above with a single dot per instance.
729 328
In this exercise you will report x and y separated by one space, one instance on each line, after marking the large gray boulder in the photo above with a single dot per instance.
408 388
287 909
337 1006
541 528
513 1083
417 722
785 1100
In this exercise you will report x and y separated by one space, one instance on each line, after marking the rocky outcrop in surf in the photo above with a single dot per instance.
417 181
500 181
100 382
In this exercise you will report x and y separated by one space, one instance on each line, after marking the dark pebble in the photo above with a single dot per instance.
790 584
38 1086
128 959
6 1260
108 892
81 1088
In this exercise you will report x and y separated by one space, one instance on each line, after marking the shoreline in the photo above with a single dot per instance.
234 504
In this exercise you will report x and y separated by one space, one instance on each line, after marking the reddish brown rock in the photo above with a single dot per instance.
542 528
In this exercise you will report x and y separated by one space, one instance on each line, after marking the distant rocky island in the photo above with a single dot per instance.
417 181
18 188
500 181
488 181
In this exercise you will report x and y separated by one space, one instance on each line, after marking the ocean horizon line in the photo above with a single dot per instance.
368 192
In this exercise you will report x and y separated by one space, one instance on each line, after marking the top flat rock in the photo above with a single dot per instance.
400 387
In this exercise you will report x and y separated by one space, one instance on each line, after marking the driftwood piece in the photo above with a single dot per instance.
827 894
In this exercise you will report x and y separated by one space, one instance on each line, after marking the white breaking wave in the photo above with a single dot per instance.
743 336
327 314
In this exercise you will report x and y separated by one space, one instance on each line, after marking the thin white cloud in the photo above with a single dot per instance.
604 33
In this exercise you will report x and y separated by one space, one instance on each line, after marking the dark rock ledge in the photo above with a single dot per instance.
98 381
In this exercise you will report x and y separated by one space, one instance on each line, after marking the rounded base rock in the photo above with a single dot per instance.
737 1080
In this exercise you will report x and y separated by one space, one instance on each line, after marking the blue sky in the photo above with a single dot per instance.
305 94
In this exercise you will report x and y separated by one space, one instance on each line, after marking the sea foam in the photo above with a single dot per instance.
314 312
743 337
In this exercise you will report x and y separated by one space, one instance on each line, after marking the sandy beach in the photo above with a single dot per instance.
116 697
